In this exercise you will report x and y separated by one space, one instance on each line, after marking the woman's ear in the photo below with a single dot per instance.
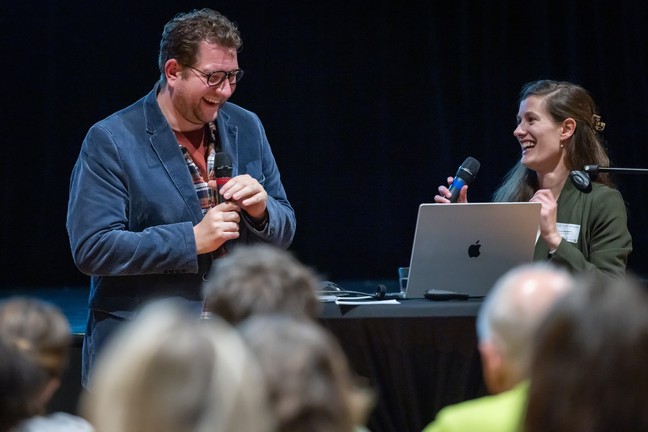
568 128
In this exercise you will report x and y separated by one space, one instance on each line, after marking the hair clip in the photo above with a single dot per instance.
597 124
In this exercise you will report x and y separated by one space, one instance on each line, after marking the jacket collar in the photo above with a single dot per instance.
165 146
156 123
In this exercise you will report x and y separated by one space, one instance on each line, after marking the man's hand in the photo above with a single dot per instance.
220 224
247 193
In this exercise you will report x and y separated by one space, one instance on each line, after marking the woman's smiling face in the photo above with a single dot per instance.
539 136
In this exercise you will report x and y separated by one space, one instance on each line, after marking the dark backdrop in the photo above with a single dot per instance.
368 107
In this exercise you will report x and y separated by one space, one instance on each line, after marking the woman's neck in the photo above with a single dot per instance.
553 181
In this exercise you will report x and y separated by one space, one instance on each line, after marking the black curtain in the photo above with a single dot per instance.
368 106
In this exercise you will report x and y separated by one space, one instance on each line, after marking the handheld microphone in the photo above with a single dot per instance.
465 175
222 172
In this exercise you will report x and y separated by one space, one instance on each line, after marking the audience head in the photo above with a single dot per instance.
309 381
510 315
589 369
168 372
41 333
21 382
260 278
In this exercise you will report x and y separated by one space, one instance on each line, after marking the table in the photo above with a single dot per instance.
418 355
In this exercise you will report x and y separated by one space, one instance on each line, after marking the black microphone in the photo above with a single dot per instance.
465 175
222 172
581 178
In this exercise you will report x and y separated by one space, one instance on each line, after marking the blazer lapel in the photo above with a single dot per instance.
228 134
166 148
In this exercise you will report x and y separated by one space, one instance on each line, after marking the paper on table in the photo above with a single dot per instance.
364 302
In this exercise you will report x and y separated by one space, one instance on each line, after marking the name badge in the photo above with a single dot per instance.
568 231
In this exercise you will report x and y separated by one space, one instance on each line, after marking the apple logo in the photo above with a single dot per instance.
473 249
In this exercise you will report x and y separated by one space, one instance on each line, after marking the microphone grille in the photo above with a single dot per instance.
222 160
222 165
471 166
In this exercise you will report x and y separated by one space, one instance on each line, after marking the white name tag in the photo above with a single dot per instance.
568 231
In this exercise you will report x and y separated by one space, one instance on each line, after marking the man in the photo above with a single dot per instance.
506 323
144 220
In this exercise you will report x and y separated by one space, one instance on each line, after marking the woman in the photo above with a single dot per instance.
558 131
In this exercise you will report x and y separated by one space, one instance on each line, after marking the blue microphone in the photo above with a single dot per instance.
465 175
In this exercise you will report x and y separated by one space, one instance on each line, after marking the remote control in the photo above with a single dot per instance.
437 294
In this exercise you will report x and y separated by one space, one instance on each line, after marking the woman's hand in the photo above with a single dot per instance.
444 194
548 214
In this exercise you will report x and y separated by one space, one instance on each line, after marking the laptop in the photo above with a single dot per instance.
466 247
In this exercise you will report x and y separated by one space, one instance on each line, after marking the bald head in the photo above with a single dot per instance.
512 312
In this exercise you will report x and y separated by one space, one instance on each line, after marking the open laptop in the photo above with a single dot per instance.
465 247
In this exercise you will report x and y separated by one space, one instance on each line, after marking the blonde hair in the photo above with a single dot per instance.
168 372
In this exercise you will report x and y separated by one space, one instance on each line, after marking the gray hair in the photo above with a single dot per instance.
260 278
516 306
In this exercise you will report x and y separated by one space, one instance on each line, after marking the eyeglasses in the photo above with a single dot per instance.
217 77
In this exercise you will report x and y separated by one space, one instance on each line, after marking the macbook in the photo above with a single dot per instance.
465 247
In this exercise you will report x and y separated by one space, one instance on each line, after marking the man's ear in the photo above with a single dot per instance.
172 70
568 128
492 367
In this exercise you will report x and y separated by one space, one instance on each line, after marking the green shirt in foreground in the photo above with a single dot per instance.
498 413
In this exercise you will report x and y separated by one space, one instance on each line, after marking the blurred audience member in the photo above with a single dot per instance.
589 371
310 384
260 279
40 332
167 372
506 323
20 382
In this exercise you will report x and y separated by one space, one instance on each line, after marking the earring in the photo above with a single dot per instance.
562 146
